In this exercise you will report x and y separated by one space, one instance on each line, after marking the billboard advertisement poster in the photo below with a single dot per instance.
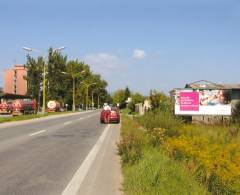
189 101
201 102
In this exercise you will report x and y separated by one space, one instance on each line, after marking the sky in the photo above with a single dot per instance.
142 44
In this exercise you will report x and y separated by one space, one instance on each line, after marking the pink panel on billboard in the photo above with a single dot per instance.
189 101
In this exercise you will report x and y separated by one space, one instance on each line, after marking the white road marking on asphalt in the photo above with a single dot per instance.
75 183
67 123
38 132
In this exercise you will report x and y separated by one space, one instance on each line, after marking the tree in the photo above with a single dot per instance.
91 85
34 76
127 93
119 97
66 81
56 86
75 71
160 101
137 98
107 98
99 89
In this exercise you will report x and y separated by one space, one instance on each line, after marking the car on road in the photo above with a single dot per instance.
110 116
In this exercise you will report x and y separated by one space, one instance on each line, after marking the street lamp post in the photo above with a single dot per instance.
44 88
44 72
73 97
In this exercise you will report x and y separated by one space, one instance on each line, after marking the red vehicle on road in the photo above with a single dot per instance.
111 115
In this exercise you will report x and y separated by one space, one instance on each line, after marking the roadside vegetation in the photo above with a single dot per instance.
147 169
160 152
210 153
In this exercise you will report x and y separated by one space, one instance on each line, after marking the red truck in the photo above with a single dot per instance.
24 106
6 107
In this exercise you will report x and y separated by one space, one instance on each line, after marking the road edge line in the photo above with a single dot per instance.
75 183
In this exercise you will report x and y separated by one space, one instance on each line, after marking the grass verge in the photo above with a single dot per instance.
147 170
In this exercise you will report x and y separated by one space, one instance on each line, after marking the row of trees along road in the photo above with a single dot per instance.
120 96
68 82
158 100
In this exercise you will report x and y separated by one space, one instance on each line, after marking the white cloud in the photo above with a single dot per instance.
104 63
138 54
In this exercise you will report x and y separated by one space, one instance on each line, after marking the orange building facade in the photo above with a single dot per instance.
14 82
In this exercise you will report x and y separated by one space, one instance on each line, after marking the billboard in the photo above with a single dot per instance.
201 102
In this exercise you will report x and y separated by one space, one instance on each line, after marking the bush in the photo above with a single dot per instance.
161 101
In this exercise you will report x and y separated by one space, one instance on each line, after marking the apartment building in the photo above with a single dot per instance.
14 82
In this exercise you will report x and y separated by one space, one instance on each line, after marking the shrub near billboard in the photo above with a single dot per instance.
204 102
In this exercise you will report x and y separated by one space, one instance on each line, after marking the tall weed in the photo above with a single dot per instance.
156 174
210 152
132 141
161 119
146 169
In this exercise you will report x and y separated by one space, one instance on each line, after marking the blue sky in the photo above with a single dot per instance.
151 44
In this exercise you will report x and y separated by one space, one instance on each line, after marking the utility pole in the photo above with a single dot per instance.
73 96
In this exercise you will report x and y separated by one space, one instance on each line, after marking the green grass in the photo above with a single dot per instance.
147 170
28 117
155 173
125 111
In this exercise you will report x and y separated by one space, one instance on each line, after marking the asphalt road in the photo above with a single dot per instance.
70 154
